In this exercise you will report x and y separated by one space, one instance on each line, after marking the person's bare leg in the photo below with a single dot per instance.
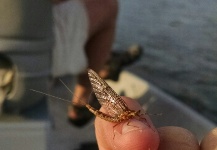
102 19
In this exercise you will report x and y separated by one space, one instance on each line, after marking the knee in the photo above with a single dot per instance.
111 7
102 9
102 14
110 12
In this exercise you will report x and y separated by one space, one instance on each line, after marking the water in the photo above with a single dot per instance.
179 40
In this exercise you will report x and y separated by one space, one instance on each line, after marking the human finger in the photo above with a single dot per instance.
130 134
177 138
209 142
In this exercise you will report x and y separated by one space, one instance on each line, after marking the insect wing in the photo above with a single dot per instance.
106 96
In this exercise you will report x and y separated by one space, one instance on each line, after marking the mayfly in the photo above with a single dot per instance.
116 107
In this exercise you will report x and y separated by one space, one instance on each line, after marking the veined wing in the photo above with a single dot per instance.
106 96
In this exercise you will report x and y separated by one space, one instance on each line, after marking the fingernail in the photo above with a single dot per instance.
133 125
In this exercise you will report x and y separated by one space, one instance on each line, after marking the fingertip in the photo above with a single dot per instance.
178 138
137 136
210 140
131 134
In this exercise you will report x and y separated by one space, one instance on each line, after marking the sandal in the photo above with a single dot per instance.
111 70
82 113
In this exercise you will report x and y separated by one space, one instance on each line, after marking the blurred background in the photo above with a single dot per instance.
179 55
179 58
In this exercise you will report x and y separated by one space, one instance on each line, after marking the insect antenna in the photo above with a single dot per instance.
73 93
55 97
66 100
66 87
50 95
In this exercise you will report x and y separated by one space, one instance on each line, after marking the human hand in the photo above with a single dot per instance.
140 136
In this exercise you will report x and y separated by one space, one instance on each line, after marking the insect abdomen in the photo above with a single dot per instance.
103 115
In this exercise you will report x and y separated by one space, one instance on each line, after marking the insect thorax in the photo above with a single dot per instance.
129 114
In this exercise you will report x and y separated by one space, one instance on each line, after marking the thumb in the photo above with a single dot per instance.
129 134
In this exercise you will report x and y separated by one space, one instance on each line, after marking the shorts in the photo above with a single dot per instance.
71 31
